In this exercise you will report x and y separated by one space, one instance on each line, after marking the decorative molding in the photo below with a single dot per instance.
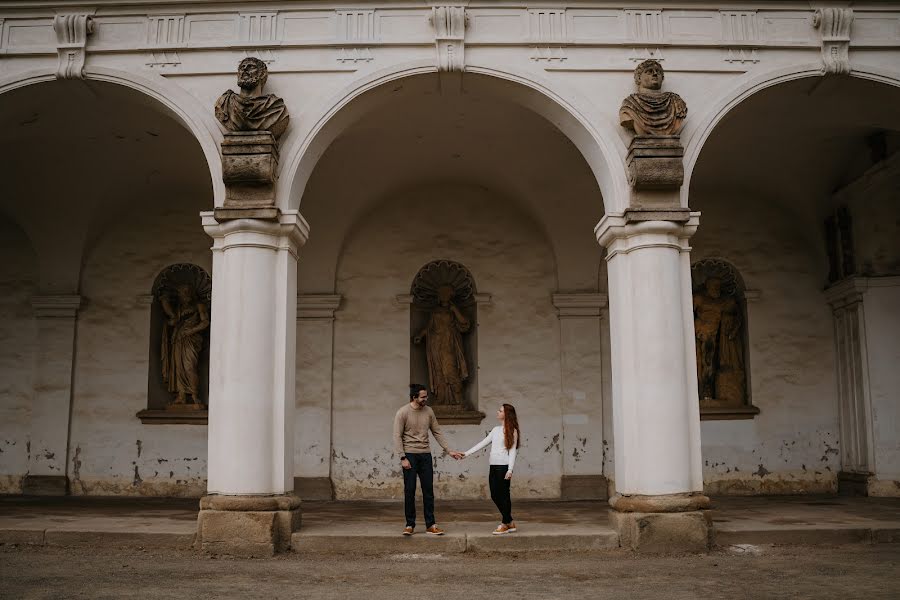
639 55
150 416
72 32
740 26
163 60
579 305
355 55
260 28
548 54
166 30
835 25
356 26
851 290
449 23
62 306
547 25
645 25
318 307
741 56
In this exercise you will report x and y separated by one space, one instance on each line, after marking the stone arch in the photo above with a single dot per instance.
601 149
162 96
698 131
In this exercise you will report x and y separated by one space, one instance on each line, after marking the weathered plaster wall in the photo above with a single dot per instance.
518 340
792 445
18 283
111 452
883 350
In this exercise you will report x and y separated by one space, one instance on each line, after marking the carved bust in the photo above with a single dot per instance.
250 109
652 112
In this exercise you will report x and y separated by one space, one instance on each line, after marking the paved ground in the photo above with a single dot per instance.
820 573
172 523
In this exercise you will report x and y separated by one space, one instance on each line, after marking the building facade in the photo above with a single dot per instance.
707 310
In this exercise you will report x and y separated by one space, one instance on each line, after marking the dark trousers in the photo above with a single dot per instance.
421 467
500 491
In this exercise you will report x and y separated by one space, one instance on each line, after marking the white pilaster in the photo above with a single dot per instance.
252 353
656 418
51 404
582 382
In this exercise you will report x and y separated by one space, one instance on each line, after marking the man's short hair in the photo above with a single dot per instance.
414 389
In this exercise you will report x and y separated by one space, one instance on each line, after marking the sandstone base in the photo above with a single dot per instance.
662 532
45 485
247 526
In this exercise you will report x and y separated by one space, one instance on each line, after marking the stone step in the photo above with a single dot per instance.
74 537
804 536
452 543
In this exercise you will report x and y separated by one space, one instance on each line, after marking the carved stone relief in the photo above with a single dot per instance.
72 32
720 328
449 23
443 321
835 25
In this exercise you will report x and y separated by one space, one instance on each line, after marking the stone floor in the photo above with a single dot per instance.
374 526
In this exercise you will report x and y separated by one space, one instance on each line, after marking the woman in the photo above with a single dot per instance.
504 440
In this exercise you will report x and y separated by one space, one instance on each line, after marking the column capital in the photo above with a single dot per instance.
619 234
56 306
317 307
851 290
579 304
289 231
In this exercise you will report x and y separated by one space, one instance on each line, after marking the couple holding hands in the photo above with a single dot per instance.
412 425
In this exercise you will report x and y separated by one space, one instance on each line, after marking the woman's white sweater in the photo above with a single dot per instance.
499 454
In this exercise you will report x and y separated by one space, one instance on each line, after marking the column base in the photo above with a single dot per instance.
247 526
662 524
45 485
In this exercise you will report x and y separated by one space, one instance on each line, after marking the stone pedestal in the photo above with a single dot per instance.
665 523
247 526
249 169
656 413
655 162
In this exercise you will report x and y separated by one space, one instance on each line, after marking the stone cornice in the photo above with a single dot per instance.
851 290
136 26
61 306
579 304
317 307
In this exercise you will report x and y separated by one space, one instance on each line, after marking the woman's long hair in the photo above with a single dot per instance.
511 434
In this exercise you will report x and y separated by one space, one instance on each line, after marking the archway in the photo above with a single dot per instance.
107 180
797 186
477 178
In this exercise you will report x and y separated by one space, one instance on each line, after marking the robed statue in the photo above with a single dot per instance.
650 111
250 109
718 326
187 318
447 369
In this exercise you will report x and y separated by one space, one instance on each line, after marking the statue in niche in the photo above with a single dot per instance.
652 112
719 330
447 369
250 109
186 322
443 293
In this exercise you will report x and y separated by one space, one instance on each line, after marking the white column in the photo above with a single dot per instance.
656 418
51 409
252 353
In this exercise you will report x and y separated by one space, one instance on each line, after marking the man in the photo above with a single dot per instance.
411 426
250 109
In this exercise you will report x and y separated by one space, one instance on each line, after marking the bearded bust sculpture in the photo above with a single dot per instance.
652 112
250 109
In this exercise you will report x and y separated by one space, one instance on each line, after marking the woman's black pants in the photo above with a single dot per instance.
500 491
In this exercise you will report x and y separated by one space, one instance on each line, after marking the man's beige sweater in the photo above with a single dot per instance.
411 427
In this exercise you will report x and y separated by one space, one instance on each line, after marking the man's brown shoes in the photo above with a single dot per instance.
435 530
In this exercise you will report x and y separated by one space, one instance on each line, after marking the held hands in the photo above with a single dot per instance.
457 455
